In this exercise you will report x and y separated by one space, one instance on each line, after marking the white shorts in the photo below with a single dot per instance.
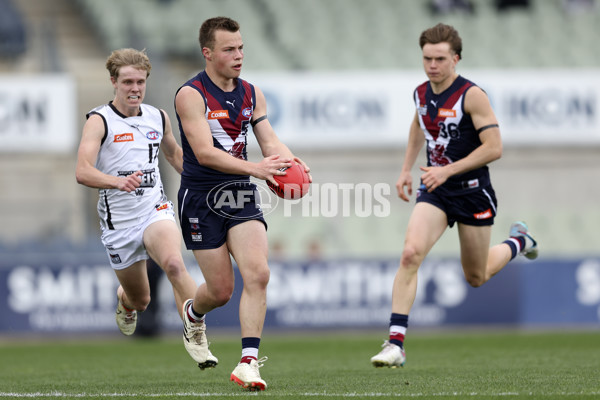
126 246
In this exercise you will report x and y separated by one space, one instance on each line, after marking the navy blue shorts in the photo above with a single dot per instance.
470 207
206 215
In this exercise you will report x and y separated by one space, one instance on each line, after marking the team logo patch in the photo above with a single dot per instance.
162 207
195 227
484 214
446 113
473 183
218 114
152 135
124 137
247 112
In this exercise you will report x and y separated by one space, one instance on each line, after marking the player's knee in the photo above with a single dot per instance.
221 294
174 268
411 257
222 297
262 276
256 274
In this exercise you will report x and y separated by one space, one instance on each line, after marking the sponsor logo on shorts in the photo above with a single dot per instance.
115 259
124 137
218 114
163 206
473 183
484 214
196 237
444 112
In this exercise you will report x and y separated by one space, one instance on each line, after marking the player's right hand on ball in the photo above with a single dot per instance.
272 165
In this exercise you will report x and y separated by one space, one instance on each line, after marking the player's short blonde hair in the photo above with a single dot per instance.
124 57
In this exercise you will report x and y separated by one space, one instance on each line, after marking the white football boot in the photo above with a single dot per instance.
391 356
126 320
247 375
194 339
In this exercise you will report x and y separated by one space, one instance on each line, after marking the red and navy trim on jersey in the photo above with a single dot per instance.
449 131
228 115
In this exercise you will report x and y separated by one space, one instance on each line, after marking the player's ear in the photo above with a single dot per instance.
206 53
456 58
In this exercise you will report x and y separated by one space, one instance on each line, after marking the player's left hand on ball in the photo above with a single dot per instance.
306 168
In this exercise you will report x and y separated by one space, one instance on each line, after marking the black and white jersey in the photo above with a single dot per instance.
130 144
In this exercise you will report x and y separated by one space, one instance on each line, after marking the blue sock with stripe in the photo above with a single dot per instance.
516 244
398 325
250 349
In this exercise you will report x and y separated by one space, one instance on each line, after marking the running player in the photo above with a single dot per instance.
118 154
215 110
455 119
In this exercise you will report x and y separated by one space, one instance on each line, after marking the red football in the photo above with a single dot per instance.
293 185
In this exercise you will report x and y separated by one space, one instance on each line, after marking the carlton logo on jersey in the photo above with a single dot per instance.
446 113
218 114
124 137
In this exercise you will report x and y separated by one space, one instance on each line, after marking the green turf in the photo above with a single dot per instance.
451 365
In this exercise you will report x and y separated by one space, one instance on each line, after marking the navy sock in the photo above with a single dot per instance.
250 349
516 244
398 325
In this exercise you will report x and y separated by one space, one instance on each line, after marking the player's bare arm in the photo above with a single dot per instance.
171 149
268 141
477 105
86 173
416 139
191 109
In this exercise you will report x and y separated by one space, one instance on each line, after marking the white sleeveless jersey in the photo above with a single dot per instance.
130 144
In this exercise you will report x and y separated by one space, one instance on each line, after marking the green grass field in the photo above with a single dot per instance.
440 365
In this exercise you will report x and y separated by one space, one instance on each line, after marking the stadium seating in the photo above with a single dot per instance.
354 34
12 31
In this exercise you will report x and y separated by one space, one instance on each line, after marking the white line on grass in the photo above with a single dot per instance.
246 393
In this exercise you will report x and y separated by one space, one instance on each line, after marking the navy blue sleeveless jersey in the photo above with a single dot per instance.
229 115
449 131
